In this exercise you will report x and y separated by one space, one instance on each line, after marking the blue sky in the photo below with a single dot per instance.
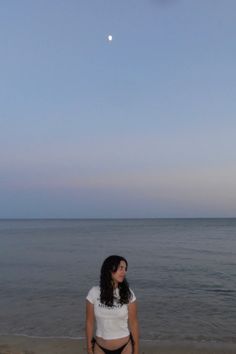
143 126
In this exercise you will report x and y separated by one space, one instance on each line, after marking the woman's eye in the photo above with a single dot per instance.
123 268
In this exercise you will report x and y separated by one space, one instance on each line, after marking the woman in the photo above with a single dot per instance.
113 305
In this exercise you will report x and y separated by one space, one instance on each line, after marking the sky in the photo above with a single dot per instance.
141 126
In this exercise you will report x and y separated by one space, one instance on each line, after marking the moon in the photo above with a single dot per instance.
109 38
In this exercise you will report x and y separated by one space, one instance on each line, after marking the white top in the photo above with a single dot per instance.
112 322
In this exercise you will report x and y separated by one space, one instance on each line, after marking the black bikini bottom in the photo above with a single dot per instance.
115 351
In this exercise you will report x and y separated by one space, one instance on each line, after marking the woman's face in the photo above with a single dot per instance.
119 275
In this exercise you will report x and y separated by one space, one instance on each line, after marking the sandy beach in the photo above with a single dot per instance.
31 345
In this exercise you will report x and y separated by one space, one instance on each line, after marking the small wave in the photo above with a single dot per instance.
40 337
223 291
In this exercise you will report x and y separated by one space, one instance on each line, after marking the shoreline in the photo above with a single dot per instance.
23 344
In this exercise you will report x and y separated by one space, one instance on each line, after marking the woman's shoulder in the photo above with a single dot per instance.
133 297
93 294
95 288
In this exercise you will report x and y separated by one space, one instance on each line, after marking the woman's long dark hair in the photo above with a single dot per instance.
109 266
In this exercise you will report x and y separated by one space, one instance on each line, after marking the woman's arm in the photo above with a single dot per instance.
89 326
133 325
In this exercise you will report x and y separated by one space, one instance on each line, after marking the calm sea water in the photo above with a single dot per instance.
183 272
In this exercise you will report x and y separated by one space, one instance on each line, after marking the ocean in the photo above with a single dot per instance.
183 273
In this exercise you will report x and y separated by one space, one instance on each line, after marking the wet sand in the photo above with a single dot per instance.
31 345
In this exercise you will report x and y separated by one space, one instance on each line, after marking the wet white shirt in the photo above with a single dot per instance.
112 322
